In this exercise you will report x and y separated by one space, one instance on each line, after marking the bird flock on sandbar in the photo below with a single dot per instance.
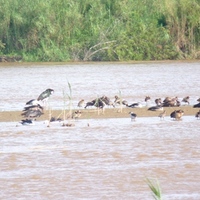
35 107
159 105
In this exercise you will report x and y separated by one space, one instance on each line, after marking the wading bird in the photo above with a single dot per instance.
162 115
198 115
44 96
133 116
81 103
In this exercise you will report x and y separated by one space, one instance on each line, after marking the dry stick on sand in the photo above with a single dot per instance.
50 114
70 107
120 96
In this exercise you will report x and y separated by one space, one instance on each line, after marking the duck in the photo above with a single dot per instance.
158 101
135 105
55 119
177 114
197 105
186 100
171 102
27 122
89 103
107 101
32 114
147 98
197 115
133 116
96 102
45 95
156 108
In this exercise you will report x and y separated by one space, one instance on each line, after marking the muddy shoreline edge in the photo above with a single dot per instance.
15 116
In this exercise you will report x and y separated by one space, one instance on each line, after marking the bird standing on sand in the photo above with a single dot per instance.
162 115
133 116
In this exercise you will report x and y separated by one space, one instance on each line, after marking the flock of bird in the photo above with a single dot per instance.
159 105
35 107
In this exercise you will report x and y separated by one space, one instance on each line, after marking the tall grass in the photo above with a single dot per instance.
63 30
155 189
67 96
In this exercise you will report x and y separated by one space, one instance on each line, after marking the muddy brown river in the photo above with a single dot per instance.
99 158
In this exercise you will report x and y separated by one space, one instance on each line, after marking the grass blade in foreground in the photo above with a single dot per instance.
155 188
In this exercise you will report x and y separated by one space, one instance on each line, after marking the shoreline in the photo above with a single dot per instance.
15 116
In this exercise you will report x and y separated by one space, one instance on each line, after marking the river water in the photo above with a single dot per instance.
99 158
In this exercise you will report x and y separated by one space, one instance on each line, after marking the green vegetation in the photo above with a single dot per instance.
101 30
155 189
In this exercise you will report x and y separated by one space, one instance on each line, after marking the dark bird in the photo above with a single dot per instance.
117 100
158 101
177 114
186 100
107 101
196 105
90 103
96 102
32 114
135 105
33 107
171 102
133 116
147 98
198 115
55 119
45 95
27 122
156 108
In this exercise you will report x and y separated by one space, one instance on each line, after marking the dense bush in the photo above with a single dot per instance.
102 30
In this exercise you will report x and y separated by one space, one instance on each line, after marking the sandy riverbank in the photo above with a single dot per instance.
12 116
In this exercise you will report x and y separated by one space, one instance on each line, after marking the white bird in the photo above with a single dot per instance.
133 116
